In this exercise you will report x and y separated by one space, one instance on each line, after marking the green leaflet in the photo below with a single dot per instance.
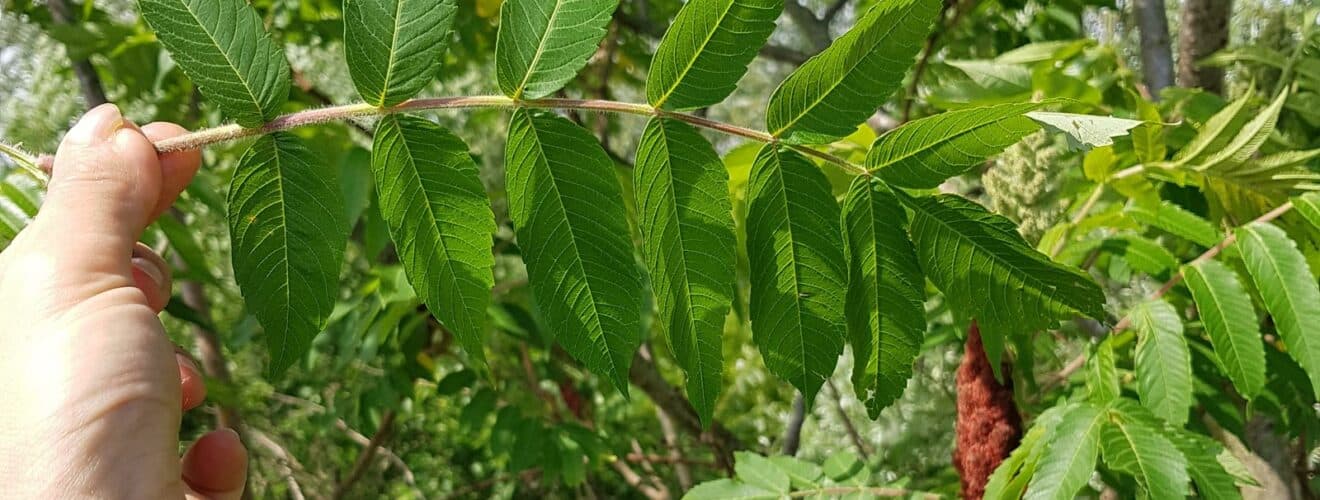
925 152
1010 479
728 489
987 271
1247 141
797 269
1136 448
707 49
221 46
995 76
1068 460
542 44
886 318
572 228
440 220
1102 384
1287 288
395 47
1142 254
1213 482
825 98
683 212
1230 319
1177 221
1215 134
1163 361
288 238
759 471
1309 206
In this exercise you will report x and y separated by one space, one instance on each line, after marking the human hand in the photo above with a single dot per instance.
91 389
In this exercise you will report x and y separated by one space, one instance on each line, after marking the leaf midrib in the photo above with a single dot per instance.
1303 343
682 257
572 239
1223 317
225 55
830 90
432 218
782 196
692 61
996 257
394 51
979 124
536 57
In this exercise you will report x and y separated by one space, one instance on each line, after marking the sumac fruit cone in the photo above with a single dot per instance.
989 426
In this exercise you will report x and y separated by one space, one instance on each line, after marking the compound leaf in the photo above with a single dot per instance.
440 220
1134 447
394 47
542 44
288 236
571 223
798 275
829 95
221 46
1230 320
706 51
1288 290
683 212
886 318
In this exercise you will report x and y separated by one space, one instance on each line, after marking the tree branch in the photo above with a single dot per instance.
793 432
813 28
862 449
92 90
646 377
364 458
284 460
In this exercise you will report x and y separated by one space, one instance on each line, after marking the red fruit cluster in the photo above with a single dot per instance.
989 426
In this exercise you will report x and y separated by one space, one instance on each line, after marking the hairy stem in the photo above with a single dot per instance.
226 133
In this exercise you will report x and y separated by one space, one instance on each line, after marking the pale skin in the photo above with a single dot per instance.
91 389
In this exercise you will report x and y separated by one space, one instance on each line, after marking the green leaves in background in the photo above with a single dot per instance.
1177 221
1230 319
828 96
706 51
1133 446
925 152
543 43
221 46
798 275
683 213
1163 361
572 228
885 311
1288 290
395 47
988 272
440 220
288 238
1069 456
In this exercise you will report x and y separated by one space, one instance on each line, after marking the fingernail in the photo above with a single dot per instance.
98 125
149 267
232 434
187 362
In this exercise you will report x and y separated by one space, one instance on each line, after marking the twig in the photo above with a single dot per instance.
1078 362
284 460
681 470
364 458
929 50
793 432
225 133
633 479
862 449
355 436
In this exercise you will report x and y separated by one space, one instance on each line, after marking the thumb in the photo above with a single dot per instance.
104 186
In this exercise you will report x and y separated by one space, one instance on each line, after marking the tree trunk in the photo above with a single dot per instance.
1203 31
1156 55
989 426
